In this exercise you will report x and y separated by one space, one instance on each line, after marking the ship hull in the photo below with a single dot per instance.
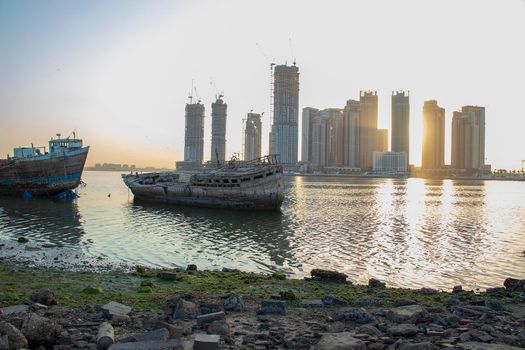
264 193
43 176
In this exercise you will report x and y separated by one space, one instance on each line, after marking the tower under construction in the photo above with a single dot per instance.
194 133
285 131
218 130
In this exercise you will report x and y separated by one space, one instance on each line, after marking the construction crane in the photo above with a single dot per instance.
218 94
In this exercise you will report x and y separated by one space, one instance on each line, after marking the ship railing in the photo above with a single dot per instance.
269 159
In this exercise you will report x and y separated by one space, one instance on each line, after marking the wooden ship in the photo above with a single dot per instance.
37 171
242 185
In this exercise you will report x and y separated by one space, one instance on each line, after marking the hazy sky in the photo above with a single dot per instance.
119 72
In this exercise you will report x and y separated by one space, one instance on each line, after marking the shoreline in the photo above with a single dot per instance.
180 306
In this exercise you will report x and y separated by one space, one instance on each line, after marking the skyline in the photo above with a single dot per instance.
119 72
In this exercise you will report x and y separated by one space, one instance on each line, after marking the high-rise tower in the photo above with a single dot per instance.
433 136
285 131
218 130
401 123
468 138
194 133
252 136
351 133
367 128
309 114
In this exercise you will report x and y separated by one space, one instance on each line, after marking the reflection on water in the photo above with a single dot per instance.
407 232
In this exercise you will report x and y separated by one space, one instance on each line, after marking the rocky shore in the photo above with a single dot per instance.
191 309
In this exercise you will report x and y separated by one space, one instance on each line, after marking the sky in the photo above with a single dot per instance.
119 72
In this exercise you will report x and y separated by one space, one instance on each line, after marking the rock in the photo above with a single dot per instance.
149 345
209 308
375 283
340 341
161 334
358 316
514 285
478 335
118 320
43 296
368 302
167 276
15 309
272 307
370 330
288 295
206 342
191 267
203 320
428 291
410 313
333 301
219 327
311 303
485 346
105 336
233 303
457 289
40 330
453 300
185 310
4 343
38 307
328 276
14 338
494 305
175 332
336 327
417 346
113 308
403 330
404 302
465 337
22 240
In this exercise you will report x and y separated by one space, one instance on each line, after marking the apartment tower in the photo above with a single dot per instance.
433 136
367 128
400 135
351 133
285 131
468 138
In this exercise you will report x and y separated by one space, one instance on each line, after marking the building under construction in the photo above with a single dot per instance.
252 136
285 131
194 133
218 130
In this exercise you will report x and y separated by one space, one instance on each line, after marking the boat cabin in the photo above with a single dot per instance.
59 145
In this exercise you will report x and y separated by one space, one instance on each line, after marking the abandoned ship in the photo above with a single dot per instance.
37 171
253 185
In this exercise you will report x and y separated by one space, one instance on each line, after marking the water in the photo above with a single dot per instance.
409 233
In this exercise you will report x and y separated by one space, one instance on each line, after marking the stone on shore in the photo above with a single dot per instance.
219 327
149 345
514 285
206 342
330 300
185 310
15 338
204 320
272 307
233 303
161 334
375 283
357 316
328 275
191 267
22 240
311 303
40 331
113 308
403 330
167 276
340 341
409 313
417 346
4 343
14 309
105 336
43 296
485 346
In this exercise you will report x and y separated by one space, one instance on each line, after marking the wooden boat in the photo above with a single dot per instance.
252 185
35 171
